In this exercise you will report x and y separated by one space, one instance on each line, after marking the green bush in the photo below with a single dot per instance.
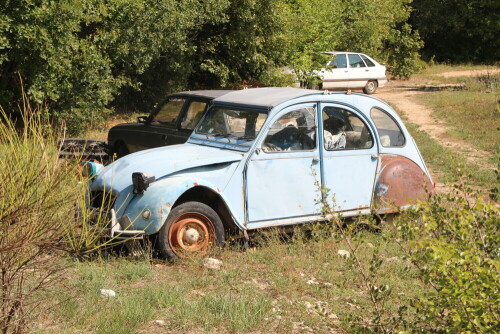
404 59
454 241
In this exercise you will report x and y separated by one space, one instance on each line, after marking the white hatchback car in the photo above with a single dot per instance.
349 70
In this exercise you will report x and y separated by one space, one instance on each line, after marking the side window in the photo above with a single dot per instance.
343 130
340 61
355 61
367 61
294 131
389 132
193 115
168 112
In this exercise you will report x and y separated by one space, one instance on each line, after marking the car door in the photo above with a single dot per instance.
163 125
350 157
358 71
191 115
282 176
337 73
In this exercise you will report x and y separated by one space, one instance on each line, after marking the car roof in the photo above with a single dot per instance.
335 52
263 98
211 94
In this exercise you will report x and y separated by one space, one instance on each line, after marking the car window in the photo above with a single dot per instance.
343 130
168 112
388 130
340 61
232 123
294 131
355 60
367 61
193 114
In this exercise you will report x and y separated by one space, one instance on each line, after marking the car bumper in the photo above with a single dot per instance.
118 231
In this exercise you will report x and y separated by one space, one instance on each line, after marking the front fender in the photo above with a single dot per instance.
159 199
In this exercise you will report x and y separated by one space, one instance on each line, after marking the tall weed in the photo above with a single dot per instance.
37 214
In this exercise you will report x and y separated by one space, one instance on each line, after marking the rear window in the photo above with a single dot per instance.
389 132
367 61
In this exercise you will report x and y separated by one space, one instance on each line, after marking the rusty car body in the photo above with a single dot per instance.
255 160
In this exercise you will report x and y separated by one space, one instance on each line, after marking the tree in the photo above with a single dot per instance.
458 30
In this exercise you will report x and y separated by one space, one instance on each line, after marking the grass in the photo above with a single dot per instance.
297 285
301 284
473 114
435 71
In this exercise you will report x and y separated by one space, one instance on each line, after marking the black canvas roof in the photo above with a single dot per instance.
263 98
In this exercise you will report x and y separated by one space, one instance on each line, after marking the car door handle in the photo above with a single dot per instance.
164 137
374 156
315 160
367 70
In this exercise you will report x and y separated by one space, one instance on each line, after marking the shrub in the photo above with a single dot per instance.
38 192
454 241
404 59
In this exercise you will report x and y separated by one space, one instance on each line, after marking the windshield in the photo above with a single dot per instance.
232 123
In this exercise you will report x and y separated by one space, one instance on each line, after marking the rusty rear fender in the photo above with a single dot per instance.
400 183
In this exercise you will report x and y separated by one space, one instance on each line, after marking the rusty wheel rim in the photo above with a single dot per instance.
191 233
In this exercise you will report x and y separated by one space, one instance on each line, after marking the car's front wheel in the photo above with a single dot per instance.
192 228
371 87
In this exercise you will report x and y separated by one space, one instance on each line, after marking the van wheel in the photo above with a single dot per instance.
371 87
121 150
192 228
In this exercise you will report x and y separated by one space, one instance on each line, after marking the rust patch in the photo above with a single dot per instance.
218 190
169 205
400 182
195 184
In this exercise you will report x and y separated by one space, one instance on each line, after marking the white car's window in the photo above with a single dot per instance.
294 131
388 130
367 61
168 112
339 61
193 115
355 61
343 130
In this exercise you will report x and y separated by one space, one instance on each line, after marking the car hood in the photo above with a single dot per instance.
160 162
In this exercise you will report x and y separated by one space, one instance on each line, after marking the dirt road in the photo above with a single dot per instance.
401 95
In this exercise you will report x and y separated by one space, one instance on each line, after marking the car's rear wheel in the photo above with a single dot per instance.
371 87
192 228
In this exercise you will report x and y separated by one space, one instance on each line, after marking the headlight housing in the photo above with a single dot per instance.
90 169
141 181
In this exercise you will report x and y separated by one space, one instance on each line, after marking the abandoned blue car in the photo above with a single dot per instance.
258 159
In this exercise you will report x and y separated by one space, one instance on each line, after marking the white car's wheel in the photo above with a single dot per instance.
371 87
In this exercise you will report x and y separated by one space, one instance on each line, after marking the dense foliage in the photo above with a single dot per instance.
458 30
83 59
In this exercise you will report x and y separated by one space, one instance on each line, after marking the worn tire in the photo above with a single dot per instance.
371 87
121 150
192 228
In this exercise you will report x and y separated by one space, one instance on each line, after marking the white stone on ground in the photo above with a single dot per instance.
212 263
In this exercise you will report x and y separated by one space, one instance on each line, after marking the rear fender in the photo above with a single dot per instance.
400 183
